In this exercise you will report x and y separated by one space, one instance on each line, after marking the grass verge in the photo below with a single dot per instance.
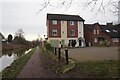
59 66
96 69
13 70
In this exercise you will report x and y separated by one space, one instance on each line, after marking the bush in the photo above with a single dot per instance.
104 43
48 46
20 40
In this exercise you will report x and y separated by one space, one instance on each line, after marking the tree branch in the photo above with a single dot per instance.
46 4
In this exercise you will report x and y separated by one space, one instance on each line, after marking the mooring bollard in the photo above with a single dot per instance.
59 53
55 50
66 55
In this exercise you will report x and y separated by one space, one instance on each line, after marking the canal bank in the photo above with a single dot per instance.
10 56
13 70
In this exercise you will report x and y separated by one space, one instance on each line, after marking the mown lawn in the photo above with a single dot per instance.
13 70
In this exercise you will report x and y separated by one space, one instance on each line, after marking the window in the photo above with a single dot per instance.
114 30
95 39
115 39
107 30
72 33
94 31
54 22
71 22
97 31
54 32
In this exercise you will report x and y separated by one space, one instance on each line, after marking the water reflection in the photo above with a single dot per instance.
10 54
8 57
28 51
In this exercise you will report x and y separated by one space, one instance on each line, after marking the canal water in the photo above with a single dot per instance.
8 57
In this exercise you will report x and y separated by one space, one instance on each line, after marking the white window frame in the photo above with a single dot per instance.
73 32
115 39
94 31
95 40
54 32
71 22
98 32
54 22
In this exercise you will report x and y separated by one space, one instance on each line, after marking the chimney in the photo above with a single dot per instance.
110 24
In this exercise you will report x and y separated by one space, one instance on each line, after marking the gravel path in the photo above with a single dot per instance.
34 68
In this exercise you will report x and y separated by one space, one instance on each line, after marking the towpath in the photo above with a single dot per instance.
34 67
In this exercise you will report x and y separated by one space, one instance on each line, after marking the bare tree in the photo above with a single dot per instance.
100 5
19 33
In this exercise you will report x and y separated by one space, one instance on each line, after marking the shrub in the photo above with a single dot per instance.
48 46
104 43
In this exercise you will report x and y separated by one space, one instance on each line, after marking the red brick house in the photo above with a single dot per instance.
95 33
64 29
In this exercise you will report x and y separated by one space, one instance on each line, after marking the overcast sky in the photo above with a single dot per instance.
15 14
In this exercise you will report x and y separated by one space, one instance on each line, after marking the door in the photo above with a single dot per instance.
79 42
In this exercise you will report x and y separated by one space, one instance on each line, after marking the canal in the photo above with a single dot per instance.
8 57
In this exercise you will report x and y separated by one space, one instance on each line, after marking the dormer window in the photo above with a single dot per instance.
107 31
54 22
114 30
71 22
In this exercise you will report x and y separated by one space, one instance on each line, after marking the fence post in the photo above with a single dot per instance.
59 53
55 50
66 55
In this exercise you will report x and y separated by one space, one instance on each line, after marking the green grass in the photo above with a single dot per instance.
14 69
96 69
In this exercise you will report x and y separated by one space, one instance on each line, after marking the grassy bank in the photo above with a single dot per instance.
13 70
91 69
58 66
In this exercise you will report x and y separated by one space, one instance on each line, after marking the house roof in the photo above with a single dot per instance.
89 26
2 35
113 29
64 17
112 33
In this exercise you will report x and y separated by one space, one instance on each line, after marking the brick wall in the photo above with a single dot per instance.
58 27
72 27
